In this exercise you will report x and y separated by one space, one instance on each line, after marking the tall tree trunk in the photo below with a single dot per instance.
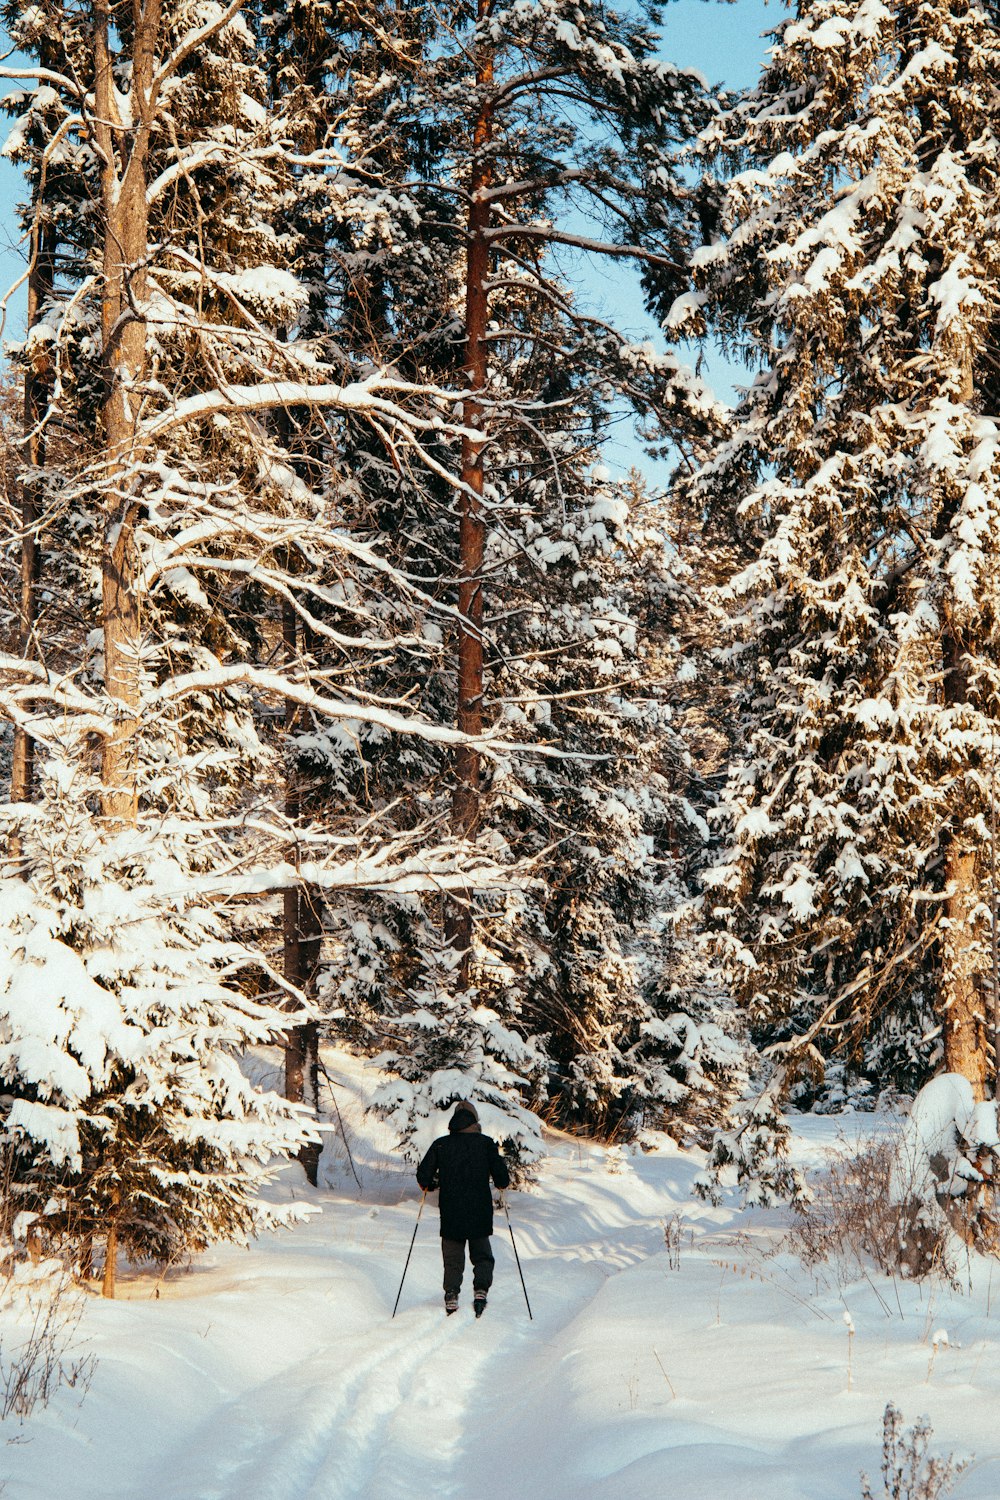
37 387
302 929
963 998
472 529
123 159
123 334
307 59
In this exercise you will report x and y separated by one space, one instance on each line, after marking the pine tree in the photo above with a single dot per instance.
125 1008
856 271
549 559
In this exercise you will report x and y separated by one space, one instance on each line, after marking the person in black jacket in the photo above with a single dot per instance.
462 1164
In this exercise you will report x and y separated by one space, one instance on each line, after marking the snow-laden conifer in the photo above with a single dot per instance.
125 1008
856 271
568 583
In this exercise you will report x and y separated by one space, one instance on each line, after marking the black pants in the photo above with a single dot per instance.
453 1254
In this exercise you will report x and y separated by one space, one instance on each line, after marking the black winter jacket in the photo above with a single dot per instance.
462 1164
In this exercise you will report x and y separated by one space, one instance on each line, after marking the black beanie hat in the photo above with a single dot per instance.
465 1115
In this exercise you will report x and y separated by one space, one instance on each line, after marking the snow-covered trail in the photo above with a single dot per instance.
416 1406
716 1372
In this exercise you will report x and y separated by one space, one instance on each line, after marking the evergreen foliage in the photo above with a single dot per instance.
177 528
581 597
123 1022
855 270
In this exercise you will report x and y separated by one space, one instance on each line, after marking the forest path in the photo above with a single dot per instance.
288 1378
406 1408
718 1367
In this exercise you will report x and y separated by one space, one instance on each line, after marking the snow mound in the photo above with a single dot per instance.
944 1141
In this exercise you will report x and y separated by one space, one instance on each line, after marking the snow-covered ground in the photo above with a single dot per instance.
715 1370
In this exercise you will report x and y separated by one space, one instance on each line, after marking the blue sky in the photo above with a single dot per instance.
11 252
722 40
727 43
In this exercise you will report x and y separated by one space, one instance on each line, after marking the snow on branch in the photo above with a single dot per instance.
222 678
268 531
48 687
193 40
356 396
44 75
434 871
552 236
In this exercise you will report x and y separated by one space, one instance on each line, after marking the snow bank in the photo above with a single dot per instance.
946 1135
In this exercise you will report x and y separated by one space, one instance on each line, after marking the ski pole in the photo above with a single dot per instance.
513 1241
416 1226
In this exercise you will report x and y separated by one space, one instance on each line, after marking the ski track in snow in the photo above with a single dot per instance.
278 1373
412 1418
329 1432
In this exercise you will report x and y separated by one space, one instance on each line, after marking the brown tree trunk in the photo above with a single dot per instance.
111 1249
123 333
302 1042
472 529
37 386
302 929
301 909
122 154
963 1000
